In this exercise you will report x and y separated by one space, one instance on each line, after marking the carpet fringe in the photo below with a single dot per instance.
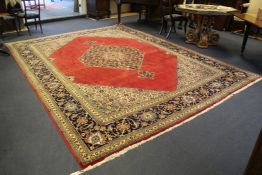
113 156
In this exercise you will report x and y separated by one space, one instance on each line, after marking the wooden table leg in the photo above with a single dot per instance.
119 13
192 36
203 35
245 37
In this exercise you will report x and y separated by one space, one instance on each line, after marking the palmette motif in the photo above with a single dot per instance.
100 120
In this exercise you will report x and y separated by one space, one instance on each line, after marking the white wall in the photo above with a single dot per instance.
82 8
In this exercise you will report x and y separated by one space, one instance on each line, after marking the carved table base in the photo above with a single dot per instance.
203 35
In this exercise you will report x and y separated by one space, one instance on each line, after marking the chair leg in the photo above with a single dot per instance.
174 26
180 25
169 32
1 34
35 24
185 26
165 27
162 26
28 29
15 26
171 29
19 24
40 24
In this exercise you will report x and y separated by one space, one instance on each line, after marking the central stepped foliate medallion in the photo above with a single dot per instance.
120 57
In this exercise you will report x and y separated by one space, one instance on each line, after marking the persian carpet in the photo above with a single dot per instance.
110 89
